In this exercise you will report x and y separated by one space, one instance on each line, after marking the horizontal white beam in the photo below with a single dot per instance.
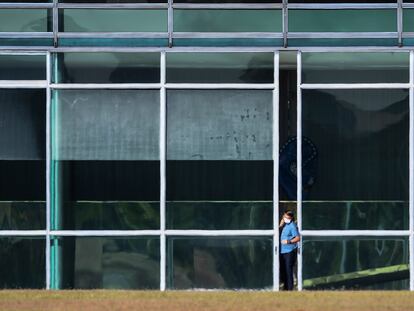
355 86
342 233
23 84
11 5
113 35
225 35
257 86
228 6
110 6
145 86
177 49
342 35
340 6
218 233
22 232
26 34
105 232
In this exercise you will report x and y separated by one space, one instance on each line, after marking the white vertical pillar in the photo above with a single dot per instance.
299 162
163 132
48 103
411 168
275 151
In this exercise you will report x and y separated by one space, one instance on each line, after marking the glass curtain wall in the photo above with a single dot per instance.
206 23
161 169
355 170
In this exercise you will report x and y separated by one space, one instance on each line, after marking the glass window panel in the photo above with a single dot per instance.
342 20
219 125
355 67
361 142
374 263
355 215
408 20
106 168
220 67
107 262
214 263
22 67
25 20
227 20
22 159
97 20
219 151
22 262
108 67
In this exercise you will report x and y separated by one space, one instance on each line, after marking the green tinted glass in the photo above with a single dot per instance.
212 215
22 67
106 263
97 20
22 262
408 20
360 138
342 20
107 67
220 67
220 263
355 263
227 20
355 215
24 20
22 159
105 168
219 160
355 67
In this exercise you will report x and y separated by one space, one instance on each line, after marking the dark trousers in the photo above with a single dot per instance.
287 263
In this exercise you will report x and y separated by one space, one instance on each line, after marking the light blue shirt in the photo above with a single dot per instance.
289 232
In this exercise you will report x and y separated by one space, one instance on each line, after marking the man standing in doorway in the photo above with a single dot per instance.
289 237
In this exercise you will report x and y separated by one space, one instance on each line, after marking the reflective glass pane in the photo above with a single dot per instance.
227 20
359 139
106 262
25 20
22 67
219 151
22 159
342 20
22 262
355 263
106 168
220 263
97 20
220 67
408 20
355 67
108 67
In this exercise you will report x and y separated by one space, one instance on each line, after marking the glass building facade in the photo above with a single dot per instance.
163 140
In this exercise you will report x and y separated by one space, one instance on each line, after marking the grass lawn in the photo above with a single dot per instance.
185 301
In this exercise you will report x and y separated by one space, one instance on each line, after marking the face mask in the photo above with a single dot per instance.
286 220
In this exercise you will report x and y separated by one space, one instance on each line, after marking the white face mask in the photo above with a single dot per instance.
287 220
